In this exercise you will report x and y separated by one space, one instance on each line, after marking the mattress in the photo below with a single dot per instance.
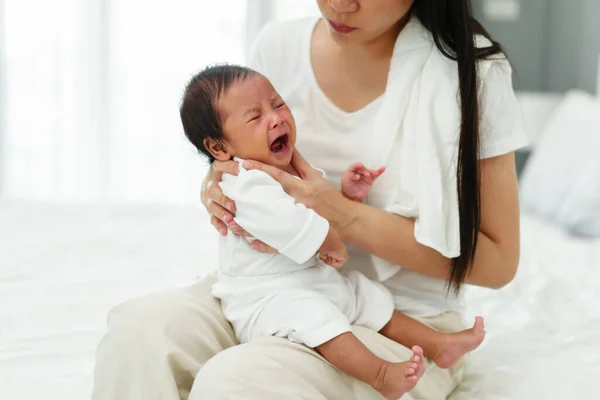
63 266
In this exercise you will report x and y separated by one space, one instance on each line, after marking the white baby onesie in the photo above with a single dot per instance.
290 294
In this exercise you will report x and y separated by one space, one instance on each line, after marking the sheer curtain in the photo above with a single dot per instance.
153 54
91 94
90 91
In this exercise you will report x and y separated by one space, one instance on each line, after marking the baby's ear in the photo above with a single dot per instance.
216 149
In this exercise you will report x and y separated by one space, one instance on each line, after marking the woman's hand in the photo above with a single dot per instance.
220 207
308 190
312 190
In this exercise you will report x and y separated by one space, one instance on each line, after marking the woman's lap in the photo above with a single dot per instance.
157 344
275 368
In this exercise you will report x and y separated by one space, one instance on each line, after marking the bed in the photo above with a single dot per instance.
63 266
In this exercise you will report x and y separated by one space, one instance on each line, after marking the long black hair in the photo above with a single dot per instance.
453 27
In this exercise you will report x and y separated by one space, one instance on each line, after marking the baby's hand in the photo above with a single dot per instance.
333 251
357 181
335 258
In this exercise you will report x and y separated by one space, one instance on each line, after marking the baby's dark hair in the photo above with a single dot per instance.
199 111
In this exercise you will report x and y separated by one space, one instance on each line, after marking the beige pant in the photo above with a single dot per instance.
157 344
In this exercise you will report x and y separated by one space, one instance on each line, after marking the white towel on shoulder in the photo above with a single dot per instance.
416 136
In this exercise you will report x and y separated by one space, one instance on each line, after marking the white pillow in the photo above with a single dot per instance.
561 180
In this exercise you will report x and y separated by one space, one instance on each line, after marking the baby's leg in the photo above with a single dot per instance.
445 349
392 380
374 309
304 316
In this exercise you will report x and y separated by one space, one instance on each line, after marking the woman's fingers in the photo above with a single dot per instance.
219 225
222 220
217 211
229 167
217 177
220 217
262 247
300 164
215 194
238 230
225 223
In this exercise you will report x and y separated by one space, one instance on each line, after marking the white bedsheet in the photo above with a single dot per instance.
63 267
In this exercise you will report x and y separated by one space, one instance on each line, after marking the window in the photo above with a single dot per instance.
92 91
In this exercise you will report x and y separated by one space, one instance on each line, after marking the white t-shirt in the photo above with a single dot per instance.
332 139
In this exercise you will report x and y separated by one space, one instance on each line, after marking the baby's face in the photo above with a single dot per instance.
257 124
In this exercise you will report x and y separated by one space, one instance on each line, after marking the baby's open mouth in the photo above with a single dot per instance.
280 144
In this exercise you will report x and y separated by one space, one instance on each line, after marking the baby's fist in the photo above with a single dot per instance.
357 181
335 258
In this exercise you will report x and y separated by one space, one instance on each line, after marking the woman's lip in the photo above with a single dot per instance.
341 28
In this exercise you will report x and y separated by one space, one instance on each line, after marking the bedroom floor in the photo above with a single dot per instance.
63 267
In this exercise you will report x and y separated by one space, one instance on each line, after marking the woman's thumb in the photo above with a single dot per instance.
301 166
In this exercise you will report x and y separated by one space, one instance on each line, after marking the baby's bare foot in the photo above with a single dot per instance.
419 358
396 379
456 345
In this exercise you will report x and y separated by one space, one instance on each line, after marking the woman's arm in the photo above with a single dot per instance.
391 237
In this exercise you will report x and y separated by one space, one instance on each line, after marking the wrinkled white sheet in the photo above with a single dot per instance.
63 266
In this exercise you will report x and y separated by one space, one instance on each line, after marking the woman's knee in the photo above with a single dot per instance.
163 338
236 373
148 313
222 372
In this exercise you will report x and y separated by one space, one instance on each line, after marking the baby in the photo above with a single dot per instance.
232 112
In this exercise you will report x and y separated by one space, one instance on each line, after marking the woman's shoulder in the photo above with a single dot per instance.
498 60
490 70
501 121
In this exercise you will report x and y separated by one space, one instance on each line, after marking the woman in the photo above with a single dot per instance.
394 82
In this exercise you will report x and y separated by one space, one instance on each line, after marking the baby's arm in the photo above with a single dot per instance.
272 216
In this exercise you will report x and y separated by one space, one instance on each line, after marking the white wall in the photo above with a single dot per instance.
553 44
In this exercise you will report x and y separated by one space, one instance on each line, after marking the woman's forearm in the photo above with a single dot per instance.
391 237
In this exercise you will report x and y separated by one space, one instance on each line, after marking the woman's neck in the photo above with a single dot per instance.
354 75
